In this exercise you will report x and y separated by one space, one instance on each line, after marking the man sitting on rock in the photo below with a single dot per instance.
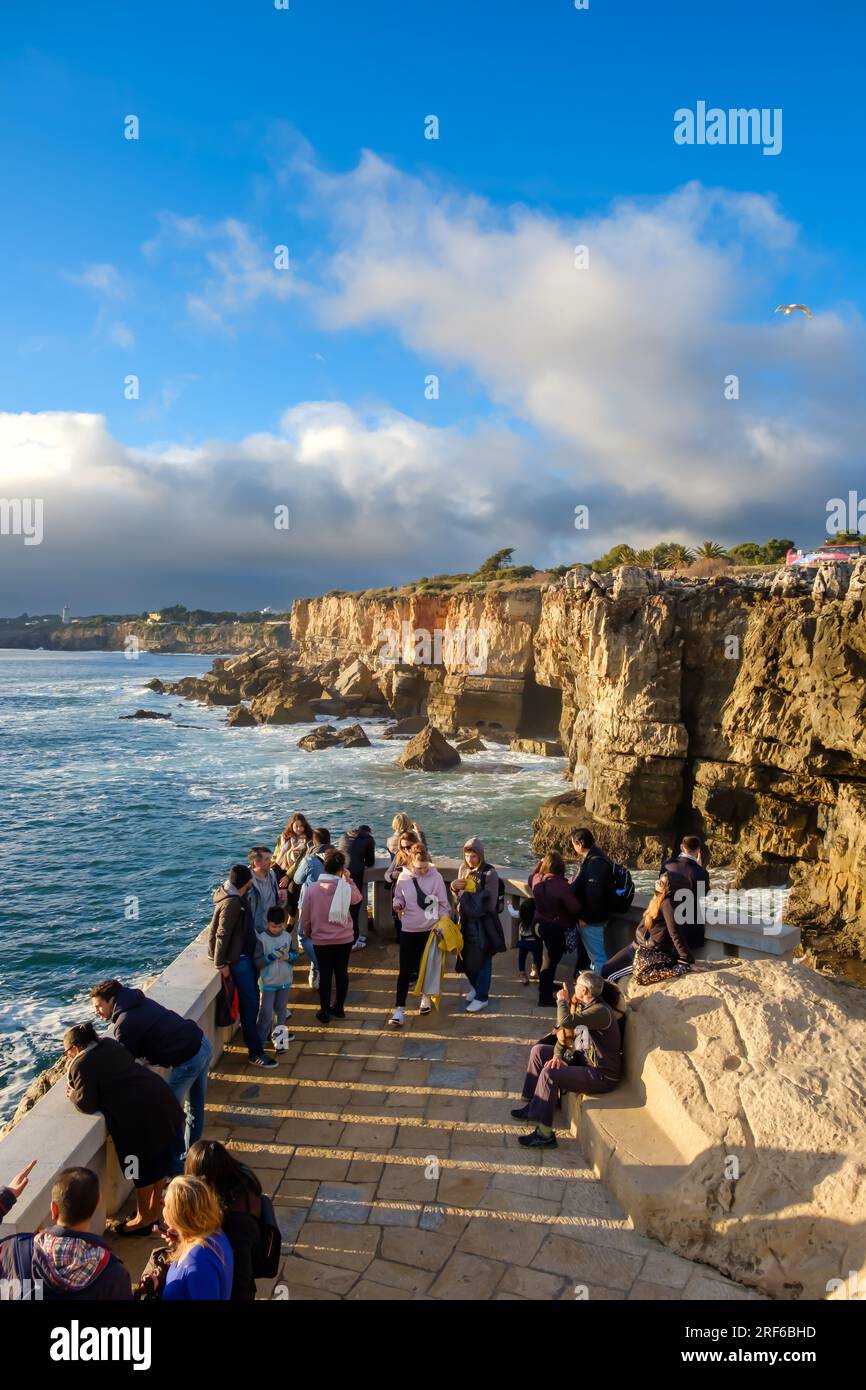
586 1058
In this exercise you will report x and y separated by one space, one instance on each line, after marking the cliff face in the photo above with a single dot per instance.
730 709
154 637
723 710
462 660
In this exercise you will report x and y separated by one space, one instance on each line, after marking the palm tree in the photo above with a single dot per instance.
645 558
679 554
710 550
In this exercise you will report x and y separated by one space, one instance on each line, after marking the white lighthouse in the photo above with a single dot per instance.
64 616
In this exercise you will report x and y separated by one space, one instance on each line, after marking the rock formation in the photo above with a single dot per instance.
737 1136
326 736
429 752
144 714
731 706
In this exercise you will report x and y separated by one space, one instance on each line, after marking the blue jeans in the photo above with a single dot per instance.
246 984
592 937
188 1084
309 948
480 981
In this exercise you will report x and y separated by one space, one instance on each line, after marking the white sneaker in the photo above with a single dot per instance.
314 978
360 943
470 995
396 1019
426 1004
476 1006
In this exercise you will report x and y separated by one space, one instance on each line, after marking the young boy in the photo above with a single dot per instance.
273 959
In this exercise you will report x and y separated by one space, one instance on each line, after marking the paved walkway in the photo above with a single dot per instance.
394 1165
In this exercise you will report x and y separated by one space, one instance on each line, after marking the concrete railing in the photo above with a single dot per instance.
59 1136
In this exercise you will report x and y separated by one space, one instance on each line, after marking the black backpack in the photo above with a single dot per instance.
622 893
266 1256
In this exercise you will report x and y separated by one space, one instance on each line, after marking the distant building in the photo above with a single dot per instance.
264 611
64 616
154 617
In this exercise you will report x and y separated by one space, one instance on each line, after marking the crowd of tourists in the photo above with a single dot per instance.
306 899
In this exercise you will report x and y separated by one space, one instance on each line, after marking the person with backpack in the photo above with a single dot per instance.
596 895
65 1262
164 1039
310 868
586 1058
232 948
556 912
248 1217
359 848
479 896
399 860
420 899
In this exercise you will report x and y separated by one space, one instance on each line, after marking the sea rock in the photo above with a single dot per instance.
157 685
429 751
145 714
240 718
737 1136
405 728
471 745
356 679
323 736
277 706
545 747
354 737
326 736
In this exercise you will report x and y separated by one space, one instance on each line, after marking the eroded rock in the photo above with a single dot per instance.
429 751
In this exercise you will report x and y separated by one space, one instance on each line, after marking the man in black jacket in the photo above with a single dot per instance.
165 1039
66 1262
689 906
594 890
359 848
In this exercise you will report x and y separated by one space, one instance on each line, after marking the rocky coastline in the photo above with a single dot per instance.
731 706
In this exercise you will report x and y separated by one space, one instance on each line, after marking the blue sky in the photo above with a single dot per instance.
154 257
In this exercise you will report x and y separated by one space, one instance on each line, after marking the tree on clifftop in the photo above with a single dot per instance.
499 560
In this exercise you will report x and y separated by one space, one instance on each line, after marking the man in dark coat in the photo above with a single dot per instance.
65 1262
689 865
164 1039
594 890
359 848
141 1115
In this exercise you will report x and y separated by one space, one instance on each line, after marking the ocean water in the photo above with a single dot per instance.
95 812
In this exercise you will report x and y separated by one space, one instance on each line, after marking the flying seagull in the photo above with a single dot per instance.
788 309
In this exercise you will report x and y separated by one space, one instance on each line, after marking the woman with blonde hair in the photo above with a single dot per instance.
201 1265
400 825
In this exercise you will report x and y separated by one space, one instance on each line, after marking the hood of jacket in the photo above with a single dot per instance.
427 881
473 843
126 999
70 1260
224 892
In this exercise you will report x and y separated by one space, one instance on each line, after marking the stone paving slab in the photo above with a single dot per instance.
394 1167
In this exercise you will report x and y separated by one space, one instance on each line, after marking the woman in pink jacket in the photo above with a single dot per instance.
326 920
420 899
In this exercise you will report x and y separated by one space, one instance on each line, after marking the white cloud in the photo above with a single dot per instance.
235 270
102 277
121 335
623 363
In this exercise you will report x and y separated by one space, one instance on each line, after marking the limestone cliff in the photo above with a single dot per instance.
726 710
87 636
